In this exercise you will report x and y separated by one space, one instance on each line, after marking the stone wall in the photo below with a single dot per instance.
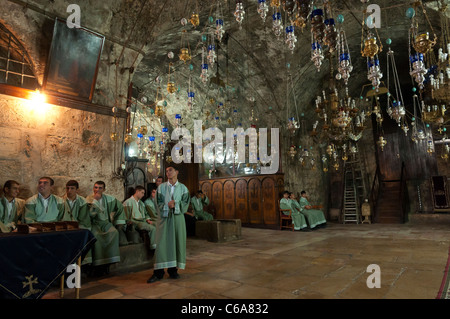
59 142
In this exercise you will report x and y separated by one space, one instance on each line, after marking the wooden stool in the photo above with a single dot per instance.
77 290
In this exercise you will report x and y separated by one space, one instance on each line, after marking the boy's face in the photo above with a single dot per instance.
44 186
171 173
98 189
13 191
71 191
139 193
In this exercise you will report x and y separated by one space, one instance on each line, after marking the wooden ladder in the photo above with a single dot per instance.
354 189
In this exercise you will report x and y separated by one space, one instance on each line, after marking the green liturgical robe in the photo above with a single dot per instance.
136 212
37 210
11 214
152 209
315 217
298 219
197 206
105 214
171 226
78 211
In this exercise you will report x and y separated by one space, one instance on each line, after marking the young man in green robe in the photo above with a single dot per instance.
197 202
315 216
173 202
44 206
137 215
11 207
310 218
151 206
298 219
76 209
107 215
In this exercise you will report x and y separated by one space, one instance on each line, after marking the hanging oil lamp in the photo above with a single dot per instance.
204 76
195 19
317 55
317 25
370 51
128 138
381 142
170 84
417 69
114 136
330 35
239 13
292 152
211 54
184 51
220 31
263 9
291 39
151 146
292 125
324 163
277 24
178 120
301 17
345 66
190 103
430 146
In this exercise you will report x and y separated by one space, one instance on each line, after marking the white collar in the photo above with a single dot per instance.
136 200
44 199
168 183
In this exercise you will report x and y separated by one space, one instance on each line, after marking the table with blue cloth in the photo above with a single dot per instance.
30 263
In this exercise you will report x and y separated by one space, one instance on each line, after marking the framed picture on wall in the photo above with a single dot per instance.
73 62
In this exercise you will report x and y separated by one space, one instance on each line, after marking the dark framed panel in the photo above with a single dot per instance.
73 62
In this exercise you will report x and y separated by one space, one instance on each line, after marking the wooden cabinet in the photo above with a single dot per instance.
252 199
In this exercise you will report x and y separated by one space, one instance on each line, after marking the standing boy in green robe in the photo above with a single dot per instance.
107 216
173 201
197 202
76 209
44 206
137 215
298 219
316 216
11 207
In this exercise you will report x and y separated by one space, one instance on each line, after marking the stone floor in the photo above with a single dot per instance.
329 263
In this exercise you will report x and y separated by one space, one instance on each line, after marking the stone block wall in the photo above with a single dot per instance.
59 142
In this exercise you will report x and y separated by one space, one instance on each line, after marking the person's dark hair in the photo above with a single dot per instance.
52 182
10 183
302 192
173 166
285 192
199 192
160 177
101 183
138 187
72 182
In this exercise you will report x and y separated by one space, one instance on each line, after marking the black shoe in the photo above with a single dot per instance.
174 276
305 229
153 279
